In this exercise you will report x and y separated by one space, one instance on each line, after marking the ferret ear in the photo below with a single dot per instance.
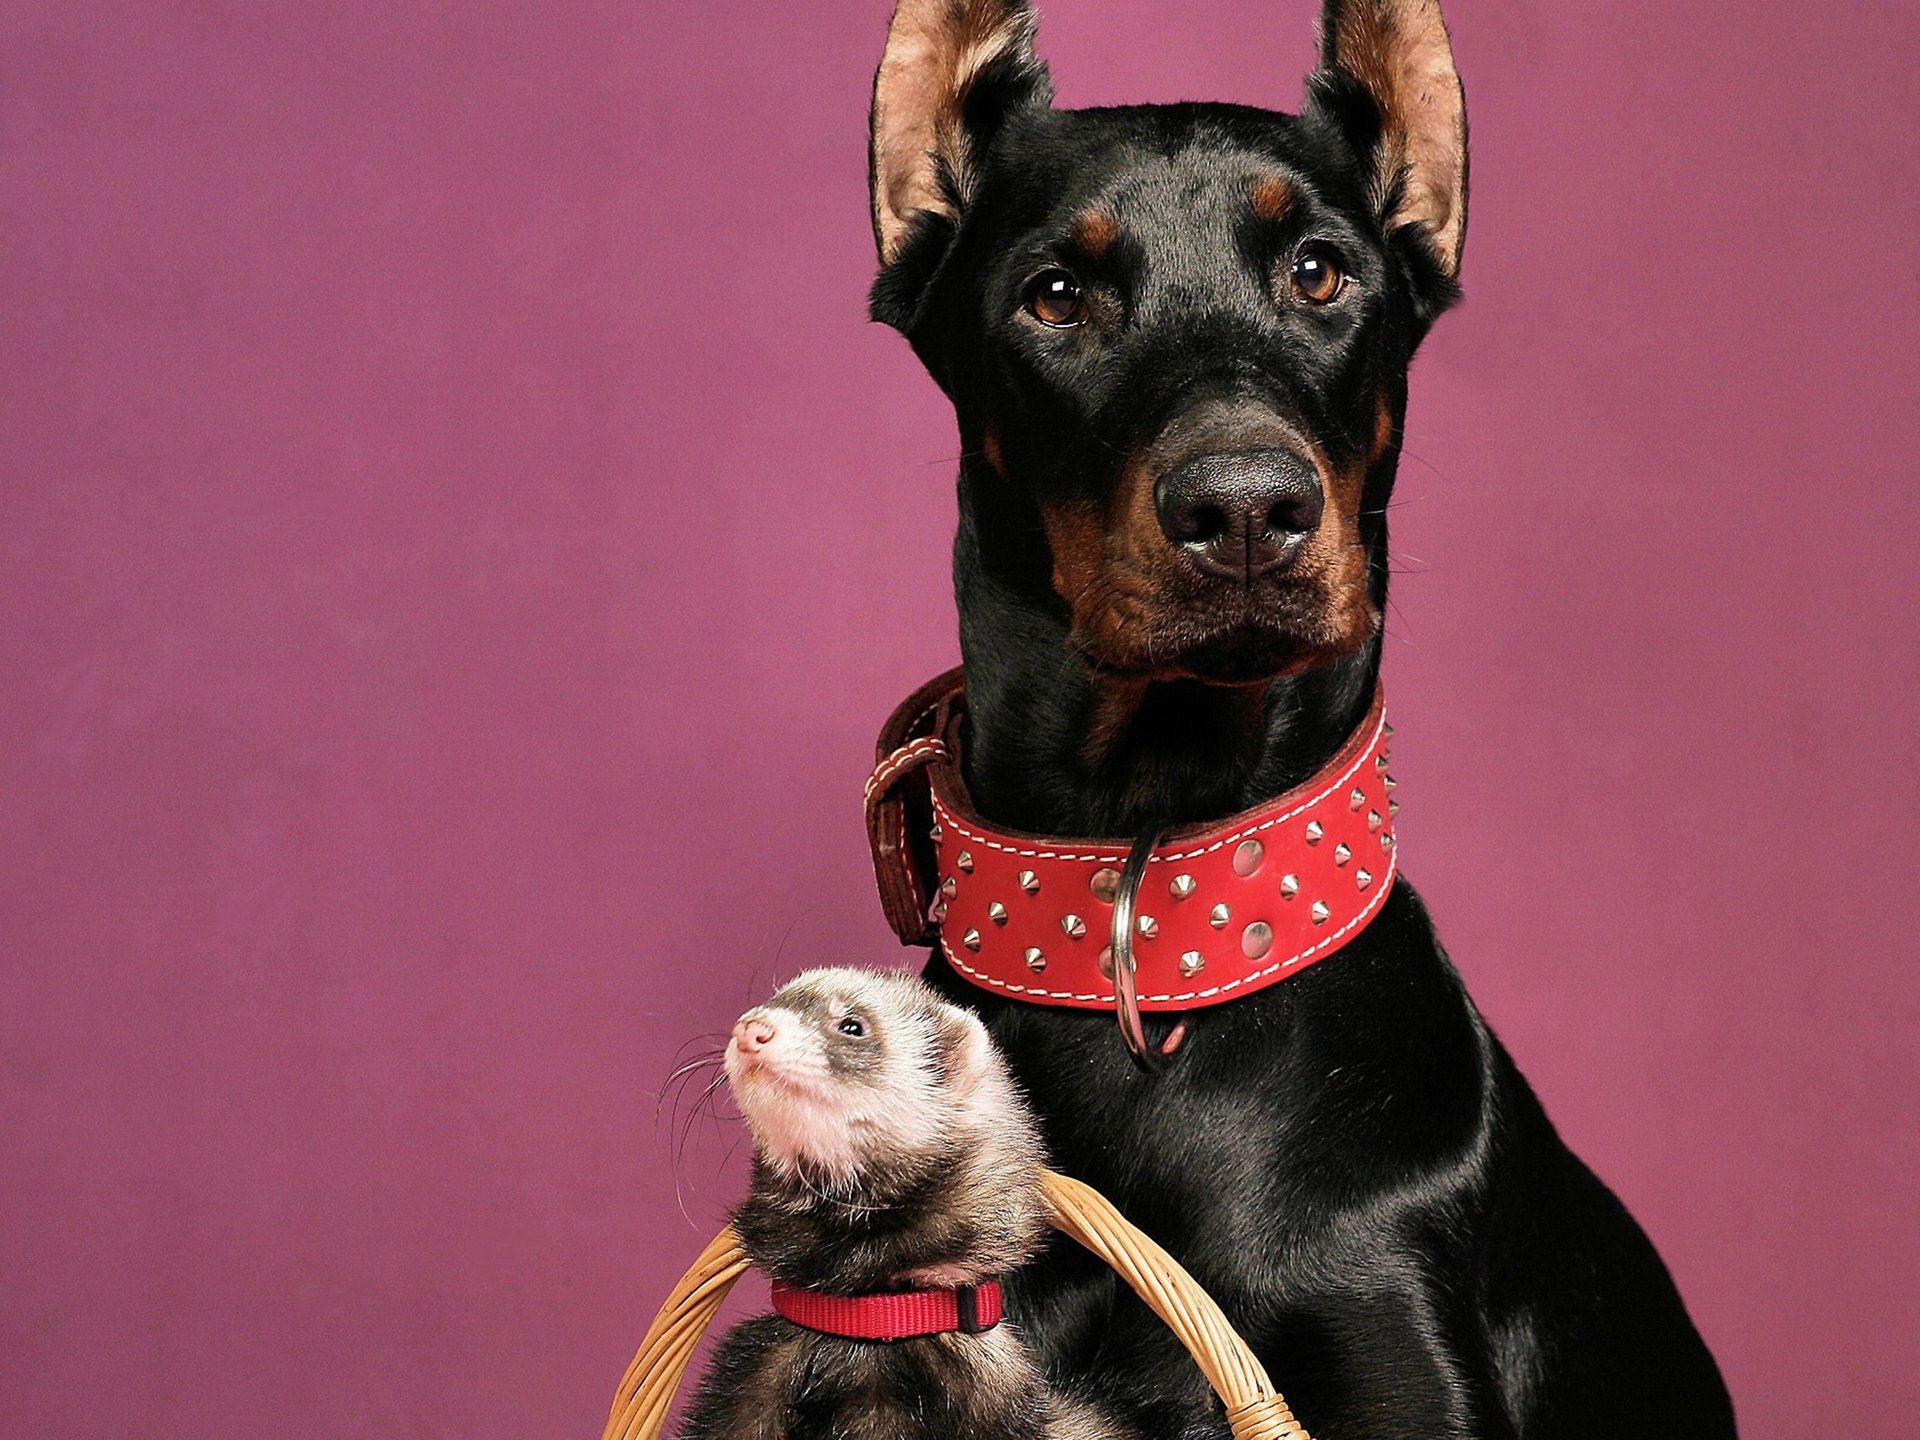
951 72
1396 54
966 1051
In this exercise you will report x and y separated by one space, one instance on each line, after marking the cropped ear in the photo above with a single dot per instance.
1398 53
951 70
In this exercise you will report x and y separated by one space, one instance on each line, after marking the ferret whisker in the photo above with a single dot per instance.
674 1087
692 1065
701 1102
716 1040
685 1137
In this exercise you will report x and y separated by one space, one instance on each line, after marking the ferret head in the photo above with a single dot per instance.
843 1070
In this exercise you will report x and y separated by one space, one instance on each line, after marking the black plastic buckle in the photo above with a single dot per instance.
967 1300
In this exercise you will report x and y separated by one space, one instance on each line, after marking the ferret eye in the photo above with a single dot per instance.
1054 299
852 1026
1317 276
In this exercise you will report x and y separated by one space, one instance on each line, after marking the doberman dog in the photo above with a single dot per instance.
1177 338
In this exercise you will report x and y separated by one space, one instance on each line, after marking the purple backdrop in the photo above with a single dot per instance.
434 433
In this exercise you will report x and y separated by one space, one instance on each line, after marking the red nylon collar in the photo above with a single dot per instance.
897 1315
1224 910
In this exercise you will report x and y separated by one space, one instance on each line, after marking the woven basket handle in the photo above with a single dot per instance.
1254 1409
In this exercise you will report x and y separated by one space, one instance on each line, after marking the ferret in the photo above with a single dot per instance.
891 1152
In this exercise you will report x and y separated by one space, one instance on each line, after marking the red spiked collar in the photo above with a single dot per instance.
896 1315
1217 911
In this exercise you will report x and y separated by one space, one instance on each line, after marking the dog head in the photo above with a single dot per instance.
1176 336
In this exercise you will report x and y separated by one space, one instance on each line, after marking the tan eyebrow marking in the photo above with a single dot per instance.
1270 198
1094 232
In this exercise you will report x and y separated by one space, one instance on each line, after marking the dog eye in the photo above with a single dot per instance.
1054 299
1317 276
852 1026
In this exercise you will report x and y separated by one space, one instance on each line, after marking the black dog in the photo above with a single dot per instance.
1177 340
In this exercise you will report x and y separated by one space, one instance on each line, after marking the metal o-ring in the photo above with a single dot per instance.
1126 999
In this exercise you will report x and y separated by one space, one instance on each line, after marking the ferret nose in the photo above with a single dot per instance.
752 1035
1240 515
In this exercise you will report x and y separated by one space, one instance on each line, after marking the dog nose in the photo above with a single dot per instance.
1241 515
752 1036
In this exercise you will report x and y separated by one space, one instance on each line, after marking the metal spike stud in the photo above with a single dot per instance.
1289 886
1104 961
1320 912
1181 887
997 913
971 940
1256 940
1386 841
1036 961
940 913
1391 784
1105 884
937 834
1218 919
949 887
1357 800
964 861
1314 832
1393 807
1247 857
1074 926
1192 962
1363 878
1380 763
1342 853
1374 822
1389 730
1029 882
1149 928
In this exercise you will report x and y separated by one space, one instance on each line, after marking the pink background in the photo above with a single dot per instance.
433 432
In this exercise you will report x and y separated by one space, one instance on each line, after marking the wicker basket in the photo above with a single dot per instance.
1254 1409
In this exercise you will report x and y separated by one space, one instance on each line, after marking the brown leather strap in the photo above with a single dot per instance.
900 805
